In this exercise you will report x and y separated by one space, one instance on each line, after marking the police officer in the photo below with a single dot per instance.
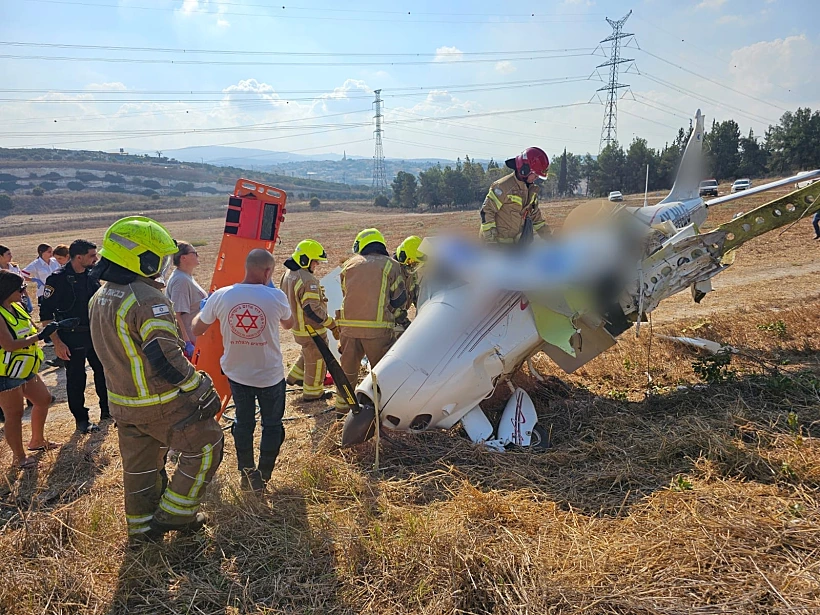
65 295
513 199
159 399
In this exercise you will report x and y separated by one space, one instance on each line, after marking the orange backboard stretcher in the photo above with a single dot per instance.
255 213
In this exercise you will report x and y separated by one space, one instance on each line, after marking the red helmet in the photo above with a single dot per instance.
532 160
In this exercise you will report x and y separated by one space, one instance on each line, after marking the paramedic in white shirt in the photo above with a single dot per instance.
249 315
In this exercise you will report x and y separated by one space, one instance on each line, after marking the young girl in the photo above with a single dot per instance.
20 358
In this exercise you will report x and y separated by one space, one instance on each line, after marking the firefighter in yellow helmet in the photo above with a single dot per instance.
513 199
410 257
373 293
157 397
309 307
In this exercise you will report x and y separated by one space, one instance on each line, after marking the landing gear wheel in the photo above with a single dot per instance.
540 439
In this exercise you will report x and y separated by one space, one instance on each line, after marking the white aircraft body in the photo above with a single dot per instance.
496 310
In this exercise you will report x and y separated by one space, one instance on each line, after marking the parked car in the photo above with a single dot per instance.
741 184
708 187
616 195
804 183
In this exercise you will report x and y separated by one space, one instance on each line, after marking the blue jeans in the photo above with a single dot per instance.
816 223
271 408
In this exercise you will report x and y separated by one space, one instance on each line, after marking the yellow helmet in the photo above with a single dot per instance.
309 250
409 252
366 237
140 245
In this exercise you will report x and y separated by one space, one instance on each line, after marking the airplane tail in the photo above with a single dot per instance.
691 167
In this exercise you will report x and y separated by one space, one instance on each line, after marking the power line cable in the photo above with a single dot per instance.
315 17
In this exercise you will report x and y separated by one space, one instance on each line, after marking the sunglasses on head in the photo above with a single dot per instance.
23 288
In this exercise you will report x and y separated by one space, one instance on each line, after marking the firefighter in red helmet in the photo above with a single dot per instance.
513 199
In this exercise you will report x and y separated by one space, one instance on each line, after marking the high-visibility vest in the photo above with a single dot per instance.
26 361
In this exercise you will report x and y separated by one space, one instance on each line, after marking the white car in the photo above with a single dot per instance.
616 195
741 184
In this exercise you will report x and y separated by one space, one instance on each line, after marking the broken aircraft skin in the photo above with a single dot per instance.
480 323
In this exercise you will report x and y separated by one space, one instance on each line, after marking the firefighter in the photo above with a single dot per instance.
409 256
373 292
157 397
309 307
513 199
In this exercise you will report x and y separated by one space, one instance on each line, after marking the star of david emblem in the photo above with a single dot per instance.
251 324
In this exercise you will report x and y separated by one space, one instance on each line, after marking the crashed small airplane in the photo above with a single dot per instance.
487 312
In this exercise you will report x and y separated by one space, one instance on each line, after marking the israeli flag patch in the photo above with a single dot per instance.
160 310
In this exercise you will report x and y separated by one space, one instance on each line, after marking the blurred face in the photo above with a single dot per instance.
61 259
88 259
189 261
5 258
46 256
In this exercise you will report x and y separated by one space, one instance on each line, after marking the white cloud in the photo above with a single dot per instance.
448 54
504 67
710 4
111 85
783 62
223 23
189 6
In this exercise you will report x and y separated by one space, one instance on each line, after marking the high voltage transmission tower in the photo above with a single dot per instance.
379 175
609 131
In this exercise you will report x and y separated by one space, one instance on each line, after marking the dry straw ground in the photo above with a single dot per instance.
675 496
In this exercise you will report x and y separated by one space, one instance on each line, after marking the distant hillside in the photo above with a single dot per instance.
24 170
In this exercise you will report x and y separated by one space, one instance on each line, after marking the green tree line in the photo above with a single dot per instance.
790 146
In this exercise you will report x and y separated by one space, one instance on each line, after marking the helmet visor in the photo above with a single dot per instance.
164 268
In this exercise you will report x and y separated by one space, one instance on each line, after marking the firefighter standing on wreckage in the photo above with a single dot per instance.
309 307
157 397
373 293
513 199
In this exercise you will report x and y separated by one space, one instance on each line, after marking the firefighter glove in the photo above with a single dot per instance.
491 235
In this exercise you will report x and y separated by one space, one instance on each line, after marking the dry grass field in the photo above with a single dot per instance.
697 492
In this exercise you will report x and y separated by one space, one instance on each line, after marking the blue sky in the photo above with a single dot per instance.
472 71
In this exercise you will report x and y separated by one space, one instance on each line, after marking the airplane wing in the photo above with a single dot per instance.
781 182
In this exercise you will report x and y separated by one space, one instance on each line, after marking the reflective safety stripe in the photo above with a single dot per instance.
506 240
515 199
310 295
137 367
365 324
383 291
204 466
487 227
534 198
173 509
154 324
318 380
138 402
296 372
180 500
538 225
494 199
138 519
318 330
191 383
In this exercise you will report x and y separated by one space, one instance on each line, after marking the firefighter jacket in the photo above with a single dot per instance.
23 362
508 203
306 298
373 290
66 295
136 337
411 285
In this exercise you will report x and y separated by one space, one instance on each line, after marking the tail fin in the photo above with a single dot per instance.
691 167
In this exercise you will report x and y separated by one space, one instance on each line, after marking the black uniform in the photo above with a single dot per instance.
66 295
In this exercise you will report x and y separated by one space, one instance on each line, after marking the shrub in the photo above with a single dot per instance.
152 183
5 202
381 201
75 186
84 176
48 186
38 191
175 193
155 197
315 203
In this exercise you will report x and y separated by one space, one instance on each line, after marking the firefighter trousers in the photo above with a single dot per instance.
143 448
354 349
310 368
